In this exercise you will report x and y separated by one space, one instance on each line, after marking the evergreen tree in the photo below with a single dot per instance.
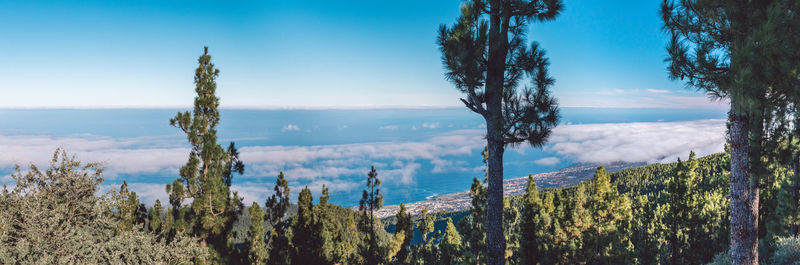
716 45
323 200
257 245
532 220
450 246
206 176
307 242
280 236
154 218
681 201
486 56
278 203
405 228
608 209
371 201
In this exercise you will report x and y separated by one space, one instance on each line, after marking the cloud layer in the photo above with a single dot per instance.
341 167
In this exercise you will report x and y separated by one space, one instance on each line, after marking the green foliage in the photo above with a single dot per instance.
450 245
278 203
406 228
307 232
154 221
206 176
371 201
257 245
787 251
55 217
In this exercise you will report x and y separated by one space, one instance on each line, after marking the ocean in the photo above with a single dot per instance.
418 153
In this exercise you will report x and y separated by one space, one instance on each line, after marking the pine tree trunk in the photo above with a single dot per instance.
744 195
495 74
793 229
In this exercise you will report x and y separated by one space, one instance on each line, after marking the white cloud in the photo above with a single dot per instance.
431 125
658 91
290 127
547 161
389 127
637 142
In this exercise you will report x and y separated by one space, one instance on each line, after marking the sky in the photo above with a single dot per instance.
310 54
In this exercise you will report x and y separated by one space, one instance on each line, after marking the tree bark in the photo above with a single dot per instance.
744 195
495 74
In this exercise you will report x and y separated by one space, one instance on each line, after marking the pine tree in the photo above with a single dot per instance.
681 201
531 222
323 200
307 242
405 227
486 56
130 212
257 245
207 175
278 203
280 236
154 218
716 45
450 246
607 209
371 201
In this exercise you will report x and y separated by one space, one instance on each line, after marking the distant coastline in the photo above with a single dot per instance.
458 201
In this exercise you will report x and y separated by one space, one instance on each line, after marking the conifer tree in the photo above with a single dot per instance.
371 201
681 201
280 236
405 227
307 242
206 176
450 246
608 209
739 50
257 245
486 56
154 218
323 200
531 224
278 203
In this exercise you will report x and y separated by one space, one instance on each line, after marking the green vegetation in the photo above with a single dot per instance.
486 56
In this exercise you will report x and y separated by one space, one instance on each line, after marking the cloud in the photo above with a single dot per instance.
547 161
389 127
638 142
432 125
658 91
290 127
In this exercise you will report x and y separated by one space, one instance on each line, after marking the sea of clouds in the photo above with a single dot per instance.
399 162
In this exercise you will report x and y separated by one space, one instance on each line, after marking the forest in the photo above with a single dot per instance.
740 206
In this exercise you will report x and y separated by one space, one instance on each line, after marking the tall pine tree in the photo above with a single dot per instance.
206 176
486 56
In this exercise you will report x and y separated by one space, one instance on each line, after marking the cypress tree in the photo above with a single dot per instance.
206 176
486 56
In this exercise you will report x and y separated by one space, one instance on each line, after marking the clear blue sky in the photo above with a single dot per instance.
309 53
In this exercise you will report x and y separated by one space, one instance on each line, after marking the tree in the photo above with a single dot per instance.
405 228
206 176
129 213
278 203
451 245
371 201
307 242
257 245
486 56
681 201
607 209
531 224
154 218
717 45
323 200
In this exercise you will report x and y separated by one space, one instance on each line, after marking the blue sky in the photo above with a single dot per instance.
348 54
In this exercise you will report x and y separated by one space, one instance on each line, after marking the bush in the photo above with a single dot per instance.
787 251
